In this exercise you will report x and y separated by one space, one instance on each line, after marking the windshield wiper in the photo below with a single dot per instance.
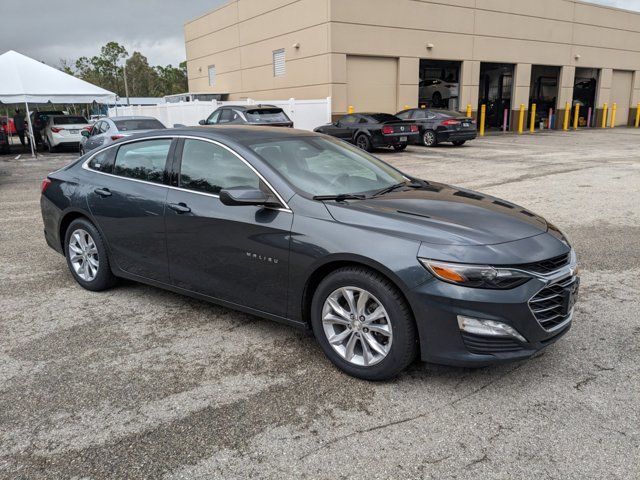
340 197
396 186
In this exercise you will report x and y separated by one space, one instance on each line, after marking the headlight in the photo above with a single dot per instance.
476 276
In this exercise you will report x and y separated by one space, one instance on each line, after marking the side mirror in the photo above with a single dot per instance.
178 125
244 196
85 133
202 122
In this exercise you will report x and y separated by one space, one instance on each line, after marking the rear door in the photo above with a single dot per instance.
239 254
127 199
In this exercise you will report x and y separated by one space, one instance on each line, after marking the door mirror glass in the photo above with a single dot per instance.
243 196
202 122
85 133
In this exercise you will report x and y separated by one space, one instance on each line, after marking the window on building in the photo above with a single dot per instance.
212 75
278 63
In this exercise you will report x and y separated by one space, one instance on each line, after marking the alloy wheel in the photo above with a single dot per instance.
429 138
362 142
357 326
83 255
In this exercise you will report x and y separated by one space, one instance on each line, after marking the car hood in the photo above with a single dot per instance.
442 215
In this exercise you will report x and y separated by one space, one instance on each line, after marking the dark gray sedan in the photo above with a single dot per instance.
308 230
108 130
438 126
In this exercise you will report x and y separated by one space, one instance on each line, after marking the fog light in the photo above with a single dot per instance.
488 328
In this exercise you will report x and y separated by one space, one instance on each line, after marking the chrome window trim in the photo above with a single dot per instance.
85 166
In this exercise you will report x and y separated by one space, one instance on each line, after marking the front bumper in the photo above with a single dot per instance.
437 305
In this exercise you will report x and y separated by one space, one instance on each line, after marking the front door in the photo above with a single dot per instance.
128 205
238 254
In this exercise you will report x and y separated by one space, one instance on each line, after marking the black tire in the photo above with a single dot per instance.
400 148
459 143
104 278
429 138
437 99
403 347
363 142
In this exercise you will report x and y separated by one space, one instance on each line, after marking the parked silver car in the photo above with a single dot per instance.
108 130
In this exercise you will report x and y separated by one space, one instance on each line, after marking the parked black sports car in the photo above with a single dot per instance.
265 115
372 130
308 230
438 126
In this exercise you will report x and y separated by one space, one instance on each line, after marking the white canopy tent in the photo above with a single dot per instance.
25 80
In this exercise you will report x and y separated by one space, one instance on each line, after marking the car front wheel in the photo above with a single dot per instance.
87 256
363 324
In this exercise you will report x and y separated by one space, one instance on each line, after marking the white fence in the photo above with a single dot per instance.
306 114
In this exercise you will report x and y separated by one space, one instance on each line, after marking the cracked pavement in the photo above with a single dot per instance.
141 383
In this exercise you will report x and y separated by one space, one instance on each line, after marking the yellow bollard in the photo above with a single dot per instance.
521 119
567 112
407 107
350 110
614 110
604 115
469 112
532 122
638 115
576 116
483 114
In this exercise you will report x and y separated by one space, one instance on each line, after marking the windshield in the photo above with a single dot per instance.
274 115
319 166
138 124
69 120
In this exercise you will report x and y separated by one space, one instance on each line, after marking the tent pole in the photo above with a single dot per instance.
32 137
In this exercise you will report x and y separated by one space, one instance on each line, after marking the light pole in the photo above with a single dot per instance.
126 85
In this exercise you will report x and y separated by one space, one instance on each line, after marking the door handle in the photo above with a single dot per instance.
103 192
179 207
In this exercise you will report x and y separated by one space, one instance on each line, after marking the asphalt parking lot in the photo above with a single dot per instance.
140 383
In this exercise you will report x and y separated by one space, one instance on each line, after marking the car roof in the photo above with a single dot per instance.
233 133
131 117
250 107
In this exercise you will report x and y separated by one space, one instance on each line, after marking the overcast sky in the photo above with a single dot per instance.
50 30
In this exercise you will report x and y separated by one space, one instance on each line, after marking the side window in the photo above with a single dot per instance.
431 116
226 116
101 161
348 119
363 120
143 160
207 167
419 114
104 127
213 118
404 115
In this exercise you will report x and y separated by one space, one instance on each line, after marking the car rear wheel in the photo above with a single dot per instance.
459 143
363 142
429 138
363 324
437 99
87 256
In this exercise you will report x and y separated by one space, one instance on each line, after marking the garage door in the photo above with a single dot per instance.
621 94
372 84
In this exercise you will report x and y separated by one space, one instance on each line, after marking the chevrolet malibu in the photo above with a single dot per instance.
307 230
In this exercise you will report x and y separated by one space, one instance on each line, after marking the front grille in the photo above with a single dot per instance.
545 266
553 304
489 345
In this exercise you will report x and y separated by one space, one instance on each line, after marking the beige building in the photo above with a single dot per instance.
383 55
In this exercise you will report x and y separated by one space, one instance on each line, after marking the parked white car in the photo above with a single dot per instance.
63 130
437 91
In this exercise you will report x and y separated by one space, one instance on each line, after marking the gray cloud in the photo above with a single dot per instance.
50 30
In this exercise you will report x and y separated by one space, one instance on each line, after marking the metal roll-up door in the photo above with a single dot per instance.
621 95
372 84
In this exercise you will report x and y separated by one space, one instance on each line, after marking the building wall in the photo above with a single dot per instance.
239 39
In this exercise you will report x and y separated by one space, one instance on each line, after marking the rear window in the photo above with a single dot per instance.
383 117
139 124
264 115
69 120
